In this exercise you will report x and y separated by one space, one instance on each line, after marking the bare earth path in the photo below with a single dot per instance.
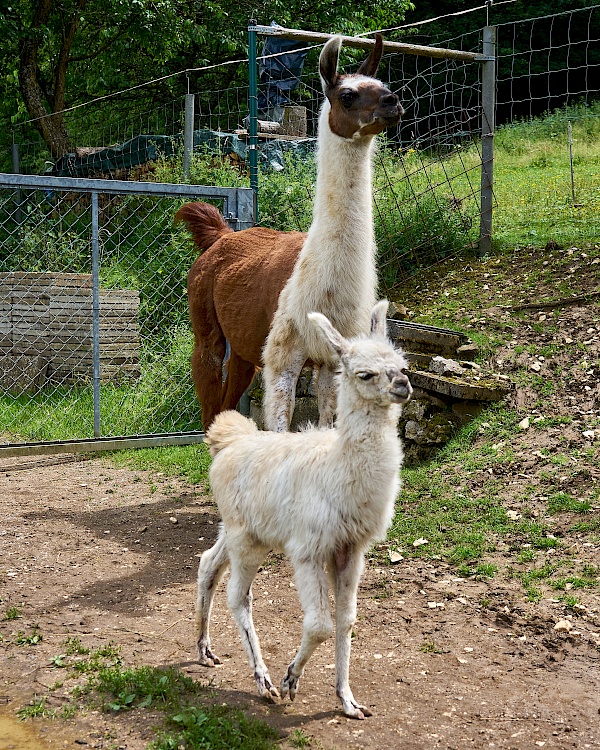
91 551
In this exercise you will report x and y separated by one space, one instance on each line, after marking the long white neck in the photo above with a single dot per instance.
358 420
343 197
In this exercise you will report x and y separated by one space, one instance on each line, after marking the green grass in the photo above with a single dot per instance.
11 613
561 502
191 462
187 718
532 182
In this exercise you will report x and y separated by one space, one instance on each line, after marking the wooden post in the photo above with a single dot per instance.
488 107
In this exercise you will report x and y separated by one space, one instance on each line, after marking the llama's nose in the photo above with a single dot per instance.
400 387
391 109
390 100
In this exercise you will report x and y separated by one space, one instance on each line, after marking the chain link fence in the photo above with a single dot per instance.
94 328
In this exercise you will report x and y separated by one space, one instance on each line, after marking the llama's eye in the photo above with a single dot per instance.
347 98
366 375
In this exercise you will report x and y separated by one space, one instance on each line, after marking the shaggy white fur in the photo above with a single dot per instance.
322 496
335 272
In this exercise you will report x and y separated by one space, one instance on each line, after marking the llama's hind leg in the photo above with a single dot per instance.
347 566
311 583
213 564
239 376
245 559
207 371
326 395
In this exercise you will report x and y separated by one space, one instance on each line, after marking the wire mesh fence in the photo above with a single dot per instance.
427 171
548 62
94 330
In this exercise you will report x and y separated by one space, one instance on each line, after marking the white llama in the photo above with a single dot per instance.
322 496
335 272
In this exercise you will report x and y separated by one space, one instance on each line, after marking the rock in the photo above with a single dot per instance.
419 542
172 519
468 351
414 410
535 366
524 424
397 311
395 556
443 366
563 626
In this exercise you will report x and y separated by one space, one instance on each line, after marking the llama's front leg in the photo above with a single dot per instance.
348 567
326 395
210 571
279 379
311 583
244 562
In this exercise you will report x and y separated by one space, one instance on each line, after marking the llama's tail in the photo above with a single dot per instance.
204 222
226 428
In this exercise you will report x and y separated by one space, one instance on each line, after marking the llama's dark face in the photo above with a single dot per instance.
360 104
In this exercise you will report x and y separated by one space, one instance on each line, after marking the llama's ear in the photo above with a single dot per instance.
379 320
328 62
335 338
370 65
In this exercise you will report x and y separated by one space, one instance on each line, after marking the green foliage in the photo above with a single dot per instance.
36 708
119 45
286 197
216 728
28 639
12 613
189 461
418 218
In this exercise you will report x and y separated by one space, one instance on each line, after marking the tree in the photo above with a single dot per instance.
61 53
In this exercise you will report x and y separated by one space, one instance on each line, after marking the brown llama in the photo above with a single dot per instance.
235 284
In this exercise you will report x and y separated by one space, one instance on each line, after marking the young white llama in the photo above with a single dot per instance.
335 272
321 496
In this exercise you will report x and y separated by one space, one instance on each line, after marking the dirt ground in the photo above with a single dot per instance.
110 555
91 551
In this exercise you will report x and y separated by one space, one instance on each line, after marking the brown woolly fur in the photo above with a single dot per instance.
233 289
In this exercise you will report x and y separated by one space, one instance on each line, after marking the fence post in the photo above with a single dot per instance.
253 114
188 135
96 313
488 107
16 168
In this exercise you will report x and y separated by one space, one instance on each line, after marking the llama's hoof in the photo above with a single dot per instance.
356 711
289 684
353 709
206 658
266 689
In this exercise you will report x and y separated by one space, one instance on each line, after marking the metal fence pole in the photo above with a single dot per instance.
188 135
253 114
96 313
16 168
488 106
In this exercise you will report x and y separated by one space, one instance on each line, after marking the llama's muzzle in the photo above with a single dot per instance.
401 389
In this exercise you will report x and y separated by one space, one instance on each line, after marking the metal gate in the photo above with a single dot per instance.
94 331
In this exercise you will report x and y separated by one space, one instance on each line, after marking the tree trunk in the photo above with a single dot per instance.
46 111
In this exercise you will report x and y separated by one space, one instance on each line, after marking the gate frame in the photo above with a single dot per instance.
237 211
